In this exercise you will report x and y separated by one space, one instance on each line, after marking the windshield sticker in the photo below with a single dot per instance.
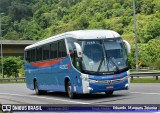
110 64
92 42
91 63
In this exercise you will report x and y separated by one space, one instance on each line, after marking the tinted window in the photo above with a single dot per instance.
31 56
39 54
70 43
71 46
54 50
46 51
62 49
27 56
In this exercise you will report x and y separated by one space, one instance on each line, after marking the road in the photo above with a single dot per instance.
137 94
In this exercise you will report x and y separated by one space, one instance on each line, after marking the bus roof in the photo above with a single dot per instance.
79 34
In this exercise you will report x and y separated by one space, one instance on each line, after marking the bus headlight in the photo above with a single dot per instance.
84 77
92 81
126 85
89 88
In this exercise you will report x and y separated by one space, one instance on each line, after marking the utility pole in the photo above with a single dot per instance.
1 43
135 35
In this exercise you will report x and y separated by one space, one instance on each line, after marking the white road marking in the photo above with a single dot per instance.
146 93
44 98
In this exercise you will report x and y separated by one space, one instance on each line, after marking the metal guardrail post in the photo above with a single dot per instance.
131 77
144 74
12 79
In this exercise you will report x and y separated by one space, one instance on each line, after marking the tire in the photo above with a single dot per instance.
38 92
71 94
109 93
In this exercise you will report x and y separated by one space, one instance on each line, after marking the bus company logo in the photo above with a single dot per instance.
109 81
6 108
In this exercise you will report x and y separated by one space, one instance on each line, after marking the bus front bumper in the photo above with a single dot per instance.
110 86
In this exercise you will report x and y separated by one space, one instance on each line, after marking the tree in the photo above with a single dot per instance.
4 4
10 67
18 11
12 35
152 30
13 66
39 19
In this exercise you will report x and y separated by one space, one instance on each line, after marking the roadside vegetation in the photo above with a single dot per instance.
40 19
135 80
14 82
145 80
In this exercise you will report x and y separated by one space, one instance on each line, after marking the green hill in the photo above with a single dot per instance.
39 19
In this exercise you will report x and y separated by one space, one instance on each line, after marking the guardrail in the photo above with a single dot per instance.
132 75
144 74
147 69
12 79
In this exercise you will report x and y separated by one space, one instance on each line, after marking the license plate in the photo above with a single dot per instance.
110 87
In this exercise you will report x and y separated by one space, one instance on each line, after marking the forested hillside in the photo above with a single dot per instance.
39 19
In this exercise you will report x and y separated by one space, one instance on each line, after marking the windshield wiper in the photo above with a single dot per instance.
124 69
104 58
113 61
119 70
99 67
89 72
98 73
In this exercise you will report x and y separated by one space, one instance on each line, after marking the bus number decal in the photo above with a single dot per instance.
63 66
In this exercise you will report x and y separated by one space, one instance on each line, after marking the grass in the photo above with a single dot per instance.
144 70
145 80
5 82
135 80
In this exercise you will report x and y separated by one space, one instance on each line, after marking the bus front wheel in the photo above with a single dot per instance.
71 94
38 92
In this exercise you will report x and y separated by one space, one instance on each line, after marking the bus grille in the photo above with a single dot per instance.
111 81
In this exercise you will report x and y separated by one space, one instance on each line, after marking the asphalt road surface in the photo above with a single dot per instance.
138 93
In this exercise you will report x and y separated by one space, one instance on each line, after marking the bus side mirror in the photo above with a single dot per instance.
128 46
79 50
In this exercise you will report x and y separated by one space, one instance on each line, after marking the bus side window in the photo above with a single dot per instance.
53 50
62 49
27 55
46 51
71 47
33 55
39 54
72 51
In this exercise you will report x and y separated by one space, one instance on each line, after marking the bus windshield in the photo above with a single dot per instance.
106 56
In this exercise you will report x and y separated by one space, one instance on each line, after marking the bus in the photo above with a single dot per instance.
78 62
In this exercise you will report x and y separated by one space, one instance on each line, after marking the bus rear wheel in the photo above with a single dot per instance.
38 92
71 94
109 93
